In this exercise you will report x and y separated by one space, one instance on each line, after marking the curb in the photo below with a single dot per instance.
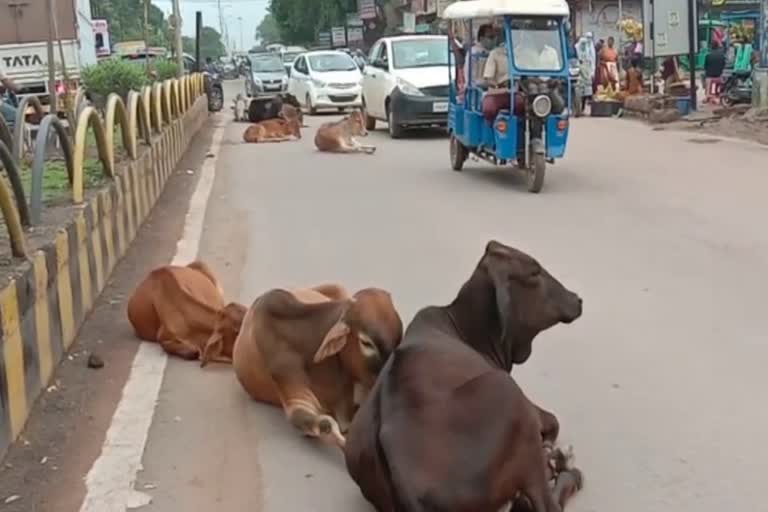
42 309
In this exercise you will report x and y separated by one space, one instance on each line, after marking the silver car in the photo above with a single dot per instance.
266 75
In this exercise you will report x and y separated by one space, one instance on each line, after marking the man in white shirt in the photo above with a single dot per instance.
6 110
496 73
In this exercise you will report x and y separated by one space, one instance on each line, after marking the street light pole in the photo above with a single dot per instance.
242 45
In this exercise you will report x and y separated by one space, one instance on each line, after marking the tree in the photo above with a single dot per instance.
268 30
210 44
299 21
126 21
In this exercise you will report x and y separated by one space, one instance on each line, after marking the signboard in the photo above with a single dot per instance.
355 34
666 23
101 33
353 20
338 36
324 39
409 22
366 9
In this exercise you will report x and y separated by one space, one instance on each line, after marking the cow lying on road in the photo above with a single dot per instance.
339 136
445 428
183 309
273 130
312 350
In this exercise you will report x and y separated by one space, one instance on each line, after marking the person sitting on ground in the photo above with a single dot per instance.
7 110
634 77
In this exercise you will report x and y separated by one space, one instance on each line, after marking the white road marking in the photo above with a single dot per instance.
109 484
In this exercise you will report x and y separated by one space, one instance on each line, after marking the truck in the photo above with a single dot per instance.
24 40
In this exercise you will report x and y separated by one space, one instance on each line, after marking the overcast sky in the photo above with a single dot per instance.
252 12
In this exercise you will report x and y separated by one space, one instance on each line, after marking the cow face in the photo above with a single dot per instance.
356 122
366 334
529 299
294 127
221 344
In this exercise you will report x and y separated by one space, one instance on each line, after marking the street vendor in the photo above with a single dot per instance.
634 79
609 63
7 110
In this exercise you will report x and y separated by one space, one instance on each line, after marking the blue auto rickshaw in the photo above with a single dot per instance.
533 131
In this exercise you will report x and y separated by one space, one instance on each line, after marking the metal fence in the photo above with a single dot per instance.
145 113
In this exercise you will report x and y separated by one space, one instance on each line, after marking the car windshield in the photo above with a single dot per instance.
267 65
419 53
324 62
536 44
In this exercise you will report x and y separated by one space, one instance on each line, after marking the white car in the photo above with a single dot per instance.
407 82
326 79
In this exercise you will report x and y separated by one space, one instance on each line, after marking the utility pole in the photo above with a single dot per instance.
177 39
760 72
693 30
198 32
242 45
51 60
146 35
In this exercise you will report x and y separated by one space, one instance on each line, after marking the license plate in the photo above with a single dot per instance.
440 107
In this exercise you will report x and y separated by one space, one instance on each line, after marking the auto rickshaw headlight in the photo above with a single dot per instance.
541 105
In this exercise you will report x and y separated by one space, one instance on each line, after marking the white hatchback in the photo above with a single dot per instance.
326 79
407 82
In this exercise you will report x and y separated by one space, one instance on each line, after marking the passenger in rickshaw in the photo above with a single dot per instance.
528 53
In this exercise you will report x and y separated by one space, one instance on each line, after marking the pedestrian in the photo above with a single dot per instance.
7 110
609 63
714 64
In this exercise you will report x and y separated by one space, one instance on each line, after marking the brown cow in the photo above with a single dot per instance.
312 351
446 428
183 309
339 136
273 130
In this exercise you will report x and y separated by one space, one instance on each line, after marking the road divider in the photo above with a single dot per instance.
54 288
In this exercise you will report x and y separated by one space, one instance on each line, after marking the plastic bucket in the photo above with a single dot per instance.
684 106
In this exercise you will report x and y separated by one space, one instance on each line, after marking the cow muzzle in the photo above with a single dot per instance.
572 308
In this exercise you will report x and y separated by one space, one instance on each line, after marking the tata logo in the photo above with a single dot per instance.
22 61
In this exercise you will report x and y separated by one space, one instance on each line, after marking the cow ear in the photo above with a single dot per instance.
333 342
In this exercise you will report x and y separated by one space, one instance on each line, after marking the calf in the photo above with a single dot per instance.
183 309
273 130
311 351
445 428
339 136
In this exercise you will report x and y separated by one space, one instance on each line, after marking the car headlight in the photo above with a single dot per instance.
256 80
285 80
541 105
318 83
408 88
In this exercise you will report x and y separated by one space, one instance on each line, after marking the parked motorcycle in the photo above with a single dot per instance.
215 91
737 89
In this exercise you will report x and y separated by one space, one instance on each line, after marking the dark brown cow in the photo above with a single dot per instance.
309 350
445 428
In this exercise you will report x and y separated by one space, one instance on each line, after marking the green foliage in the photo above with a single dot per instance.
300 20
113 75
210 44
126 21
165 68
268 30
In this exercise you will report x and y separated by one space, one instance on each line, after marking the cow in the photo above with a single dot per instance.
446 428
339 136
183 309
273 130
316 352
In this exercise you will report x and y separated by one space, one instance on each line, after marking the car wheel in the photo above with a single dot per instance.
395 131
310 108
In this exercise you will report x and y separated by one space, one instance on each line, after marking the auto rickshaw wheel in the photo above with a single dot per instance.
535 174
458 154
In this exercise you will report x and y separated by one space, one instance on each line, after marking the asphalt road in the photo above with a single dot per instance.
657 387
